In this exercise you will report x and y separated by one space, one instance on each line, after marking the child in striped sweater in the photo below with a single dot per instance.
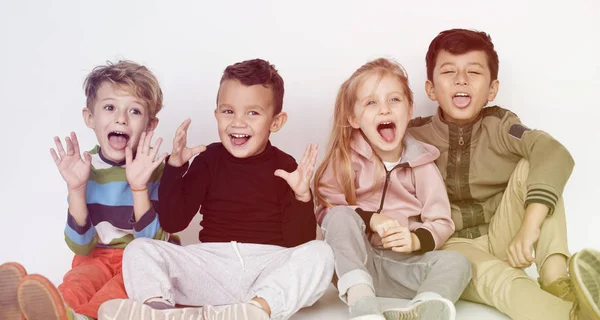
113 197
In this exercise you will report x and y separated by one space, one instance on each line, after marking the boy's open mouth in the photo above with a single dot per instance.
461 99
238 139
387 130
118 140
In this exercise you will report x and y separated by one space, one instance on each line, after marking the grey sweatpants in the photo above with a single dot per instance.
227 273
390 274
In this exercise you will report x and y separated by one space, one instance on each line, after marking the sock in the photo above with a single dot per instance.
358 291
255 303
424 296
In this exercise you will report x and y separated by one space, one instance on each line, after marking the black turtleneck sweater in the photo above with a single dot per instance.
240 199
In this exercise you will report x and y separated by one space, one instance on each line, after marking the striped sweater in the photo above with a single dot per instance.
110 222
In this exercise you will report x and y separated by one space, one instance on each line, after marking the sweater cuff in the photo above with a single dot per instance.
426 239
146 219
366 217
175 171
76 227
542 196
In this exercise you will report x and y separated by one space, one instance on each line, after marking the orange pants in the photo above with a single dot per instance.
93 280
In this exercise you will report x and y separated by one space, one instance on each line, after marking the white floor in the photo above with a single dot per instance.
330 307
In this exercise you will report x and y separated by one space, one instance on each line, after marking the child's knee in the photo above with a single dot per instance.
340 215
457 260
319 253
138 246
319 250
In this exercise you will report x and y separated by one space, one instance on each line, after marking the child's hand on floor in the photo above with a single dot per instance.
74 169
299 180
139 170
181 153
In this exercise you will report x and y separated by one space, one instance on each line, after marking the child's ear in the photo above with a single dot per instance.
410 111
278 121
353 122
88 117
494 86
430 90
152 124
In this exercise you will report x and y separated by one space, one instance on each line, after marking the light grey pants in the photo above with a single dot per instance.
390 274
227 273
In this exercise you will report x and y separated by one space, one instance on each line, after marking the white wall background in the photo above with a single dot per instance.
549 73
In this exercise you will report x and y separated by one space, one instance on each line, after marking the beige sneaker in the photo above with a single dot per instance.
561 287
584 270
11 274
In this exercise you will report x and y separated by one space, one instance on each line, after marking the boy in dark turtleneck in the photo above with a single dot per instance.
257 257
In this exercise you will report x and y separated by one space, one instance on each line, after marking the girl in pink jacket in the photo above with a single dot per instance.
382 204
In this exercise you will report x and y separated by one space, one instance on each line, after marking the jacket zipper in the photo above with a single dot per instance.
461 142
385 185
387 182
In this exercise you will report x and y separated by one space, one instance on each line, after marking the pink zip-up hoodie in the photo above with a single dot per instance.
413 192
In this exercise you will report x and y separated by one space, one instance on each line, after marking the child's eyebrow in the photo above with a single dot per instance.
396 92
252 106
446 64
256 106
137 101
476 64
224 105
366 98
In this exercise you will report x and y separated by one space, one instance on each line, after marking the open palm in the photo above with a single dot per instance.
299 180
139 170
181 153
74 169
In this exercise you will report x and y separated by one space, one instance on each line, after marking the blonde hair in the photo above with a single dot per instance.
338 149
129 76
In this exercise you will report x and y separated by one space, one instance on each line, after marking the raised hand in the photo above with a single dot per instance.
181 153
139 170
299 180
74 169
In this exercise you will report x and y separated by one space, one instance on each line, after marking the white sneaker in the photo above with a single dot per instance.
240 311
366 308
129 309
434 309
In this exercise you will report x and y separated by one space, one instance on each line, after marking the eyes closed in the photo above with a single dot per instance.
475 71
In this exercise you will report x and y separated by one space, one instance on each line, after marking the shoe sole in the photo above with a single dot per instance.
11 274
584 269
40 300
425 310
369 317
130 309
